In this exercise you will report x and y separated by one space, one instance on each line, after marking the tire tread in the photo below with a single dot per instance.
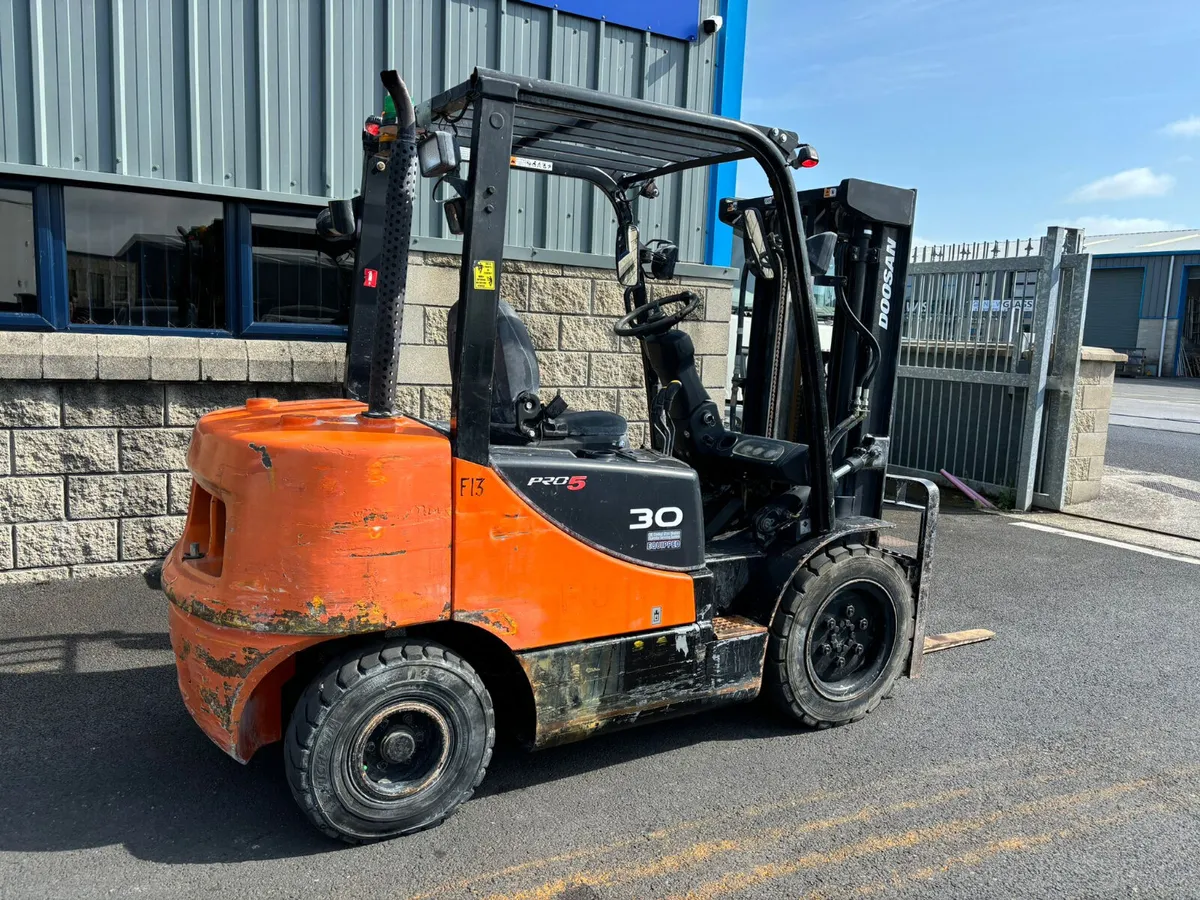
776 675
334 681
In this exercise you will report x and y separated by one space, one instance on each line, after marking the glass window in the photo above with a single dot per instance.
144 259
18 258
298 276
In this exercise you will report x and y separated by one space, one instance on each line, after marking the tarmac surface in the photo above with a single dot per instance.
1167 404
1058 760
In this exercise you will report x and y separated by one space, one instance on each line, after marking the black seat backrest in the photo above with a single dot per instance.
673 357
515 369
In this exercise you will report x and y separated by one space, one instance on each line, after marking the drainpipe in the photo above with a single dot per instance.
1162 343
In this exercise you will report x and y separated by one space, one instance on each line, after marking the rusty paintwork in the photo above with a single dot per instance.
312 520
221 672
311 523
582 689
523 578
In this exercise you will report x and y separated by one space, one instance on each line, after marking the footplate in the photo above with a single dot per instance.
582 689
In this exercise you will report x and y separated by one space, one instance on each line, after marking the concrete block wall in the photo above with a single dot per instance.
569 312
94 429
1089 427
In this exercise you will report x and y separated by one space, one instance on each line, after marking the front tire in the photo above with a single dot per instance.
841 636
390 741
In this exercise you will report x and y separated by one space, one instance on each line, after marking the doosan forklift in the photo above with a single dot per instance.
377 590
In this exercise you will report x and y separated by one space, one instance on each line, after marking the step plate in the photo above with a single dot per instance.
582 689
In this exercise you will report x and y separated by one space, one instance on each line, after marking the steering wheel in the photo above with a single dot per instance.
657 321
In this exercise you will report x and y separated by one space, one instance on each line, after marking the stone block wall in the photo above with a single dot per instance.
94 429
1089 427
569 312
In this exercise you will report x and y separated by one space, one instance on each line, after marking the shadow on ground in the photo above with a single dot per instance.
93 758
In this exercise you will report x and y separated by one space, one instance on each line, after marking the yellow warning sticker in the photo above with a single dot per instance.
485 275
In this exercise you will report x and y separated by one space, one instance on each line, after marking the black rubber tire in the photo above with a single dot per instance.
789 680
333 711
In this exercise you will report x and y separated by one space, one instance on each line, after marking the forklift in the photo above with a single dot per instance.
378 591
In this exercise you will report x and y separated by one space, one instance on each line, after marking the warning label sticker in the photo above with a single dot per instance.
485 275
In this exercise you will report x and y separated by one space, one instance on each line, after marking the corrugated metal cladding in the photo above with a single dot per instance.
1158 268
270 94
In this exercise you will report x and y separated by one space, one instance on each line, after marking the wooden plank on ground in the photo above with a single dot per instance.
936 642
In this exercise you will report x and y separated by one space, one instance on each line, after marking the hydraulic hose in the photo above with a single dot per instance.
873 353
736 385
397 234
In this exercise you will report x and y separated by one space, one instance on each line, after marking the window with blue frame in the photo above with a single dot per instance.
18 252
89 258
298 277
136 259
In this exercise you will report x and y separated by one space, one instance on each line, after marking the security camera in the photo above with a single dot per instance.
712 24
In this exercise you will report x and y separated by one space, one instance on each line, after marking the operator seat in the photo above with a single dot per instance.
515 372
694 417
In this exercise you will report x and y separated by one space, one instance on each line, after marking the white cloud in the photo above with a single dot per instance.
1125 185
1189 127
1115 225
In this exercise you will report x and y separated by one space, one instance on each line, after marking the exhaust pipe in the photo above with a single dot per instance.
397 234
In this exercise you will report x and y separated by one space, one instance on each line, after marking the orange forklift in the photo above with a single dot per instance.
378 591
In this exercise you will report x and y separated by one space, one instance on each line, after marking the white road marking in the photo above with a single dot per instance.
1149 551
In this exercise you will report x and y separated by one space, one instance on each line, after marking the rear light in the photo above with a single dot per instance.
806 156
204 534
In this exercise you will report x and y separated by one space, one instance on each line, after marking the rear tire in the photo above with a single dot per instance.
841 636
389 741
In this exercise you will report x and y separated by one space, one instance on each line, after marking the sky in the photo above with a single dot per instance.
1006 115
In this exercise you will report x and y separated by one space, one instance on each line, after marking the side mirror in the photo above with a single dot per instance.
627 256
820 251
455 211
752 223
437 152
336 220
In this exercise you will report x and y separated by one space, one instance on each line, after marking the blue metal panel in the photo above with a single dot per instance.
571 203
679 19
154 137
16 83
355 55
413 30
71 42
524 41
243 96
292 97
223 84
727 101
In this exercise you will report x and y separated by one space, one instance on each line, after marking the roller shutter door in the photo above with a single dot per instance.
1114 299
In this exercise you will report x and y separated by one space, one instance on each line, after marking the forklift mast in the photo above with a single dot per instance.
860 235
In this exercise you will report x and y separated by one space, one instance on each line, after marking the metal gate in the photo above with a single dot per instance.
989 357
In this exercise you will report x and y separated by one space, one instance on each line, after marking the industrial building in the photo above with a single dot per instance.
1144 296
161 167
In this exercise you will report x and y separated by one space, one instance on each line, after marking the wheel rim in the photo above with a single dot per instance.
850 640
400 750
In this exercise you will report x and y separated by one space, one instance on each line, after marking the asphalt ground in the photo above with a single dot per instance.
1058 760
1153 450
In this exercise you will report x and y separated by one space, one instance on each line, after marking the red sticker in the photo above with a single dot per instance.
370 277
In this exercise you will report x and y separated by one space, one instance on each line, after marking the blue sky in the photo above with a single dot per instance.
1006 115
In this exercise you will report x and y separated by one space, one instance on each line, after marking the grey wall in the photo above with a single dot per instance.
269 95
